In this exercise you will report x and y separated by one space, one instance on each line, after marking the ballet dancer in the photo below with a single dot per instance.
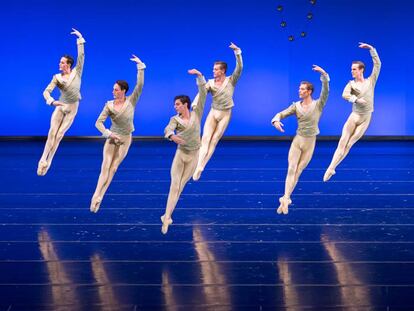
308 112
118 138
359 92
184 130
66 107
222 89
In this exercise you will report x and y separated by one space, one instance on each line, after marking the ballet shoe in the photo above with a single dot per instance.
48 166
197 174
165 224
42 168
284 205
95 205
328 174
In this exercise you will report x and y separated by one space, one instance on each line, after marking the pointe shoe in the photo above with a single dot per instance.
42 168
165 224
197 174
284 205
328 174
95 205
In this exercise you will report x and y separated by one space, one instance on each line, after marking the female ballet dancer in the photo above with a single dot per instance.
222 89
360 92
118 138
308 113
68 82
184 130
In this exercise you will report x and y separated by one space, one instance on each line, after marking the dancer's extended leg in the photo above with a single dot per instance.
113 155
300 154
213 131
62 119
293 160
182 168
208 131
354 128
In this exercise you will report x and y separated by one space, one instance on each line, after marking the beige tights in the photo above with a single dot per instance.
113 154
354 128
300 154
62 119
182 168
214 127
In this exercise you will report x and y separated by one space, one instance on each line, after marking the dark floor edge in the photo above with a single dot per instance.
225 138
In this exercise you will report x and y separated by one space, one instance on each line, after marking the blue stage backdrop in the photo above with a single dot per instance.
171 36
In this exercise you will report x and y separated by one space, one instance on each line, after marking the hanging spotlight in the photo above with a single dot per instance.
283 24
310 15
291 38
280 8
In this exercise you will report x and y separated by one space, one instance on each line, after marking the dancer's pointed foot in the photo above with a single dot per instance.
95 204
42 168
284 205
197 174
328 174
165 224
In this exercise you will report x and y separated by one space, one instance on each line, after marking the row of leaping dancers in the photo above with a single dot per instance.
183 129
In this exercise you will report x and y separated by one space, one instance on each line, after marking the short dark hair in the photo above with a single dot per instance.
69 60
123 85
184 99
222 64
309 85
360 64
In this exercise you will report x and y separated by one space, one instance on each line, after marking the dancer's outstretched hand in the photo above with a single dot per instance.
233 46
135 59
318 69
279 126
195 72
363 45
76 33
177 139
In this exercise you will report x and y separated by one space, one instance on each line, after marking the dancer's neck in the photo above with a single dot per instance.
185 115
307 100
120 100
66 72
220 79
360 79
